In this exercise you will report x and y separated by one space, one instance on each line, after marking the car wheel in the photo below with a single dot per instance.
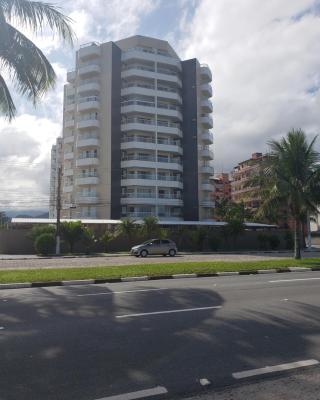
143 253
172 252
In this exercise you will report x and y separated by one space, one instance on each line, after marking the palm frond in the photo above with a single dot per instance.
7 107
31 71
36 16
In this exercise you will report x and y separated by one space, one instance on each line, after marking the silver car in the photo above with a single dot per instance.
155 246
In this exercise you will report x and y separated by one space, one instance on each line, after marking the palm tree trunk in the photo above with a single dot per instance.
297 252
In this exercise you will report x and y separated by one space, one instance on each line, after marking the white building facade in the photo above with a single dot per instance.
137 133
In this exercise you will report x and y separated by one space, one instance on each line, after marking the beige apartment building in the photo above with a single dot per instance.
137 133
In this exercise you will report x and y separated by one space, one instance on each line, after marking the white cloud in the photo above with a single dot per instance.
25 160
265 58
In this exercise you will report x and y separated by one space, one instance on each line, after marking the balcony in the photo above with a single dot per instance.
206 121
89 69
68 172
206 153
206 74
206 90
68 156
88 103
133 142
138 198
89 86
87 142
143 54
67 188
207 186
137 179
87 180
206 106
206 169
82 162
86 199
138 106
71 76
68 139
70 90
88 123
143 71
170 110
207 203
70 108
69 123
89 50
207 137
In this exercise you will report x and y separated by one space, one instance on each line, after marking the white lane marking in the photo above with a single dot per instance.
1 328
294 280
205 382
275 368
139 394
167 312
120 292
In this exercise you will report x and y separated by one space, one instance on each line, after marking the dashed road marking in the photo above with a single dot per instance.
294 280
122 291
139 394
204 382
275 368
167 312
1 328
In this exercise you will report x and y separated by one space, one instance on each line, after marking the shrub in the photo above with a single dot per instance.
214 242
45 243
105 239
72 232
88 239
38 230
263 240
274 242
289 240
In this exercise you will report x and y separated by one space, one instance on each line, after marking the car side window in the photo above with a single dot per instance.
165 241
156 242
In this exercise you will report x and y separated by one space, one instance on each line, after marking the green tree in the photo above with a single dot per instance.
291 180
29 69
88 239
106 238
150 226
72 232
38 230
127 227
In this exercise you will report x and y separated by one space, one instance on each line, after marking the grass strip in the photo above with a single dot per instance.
119 271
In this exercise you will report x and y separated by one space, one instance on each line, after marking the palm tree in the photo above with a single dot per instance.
127 227
20 58
150 225
290 180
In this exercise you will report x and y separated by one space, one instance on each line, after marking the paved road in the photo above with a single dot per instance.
92 342
28 262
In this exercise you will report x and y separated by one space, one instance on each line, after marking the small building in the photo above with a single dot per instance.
222 187
240 191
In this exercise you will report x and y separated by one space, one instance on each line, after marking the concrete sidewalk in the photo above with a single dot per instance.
26 262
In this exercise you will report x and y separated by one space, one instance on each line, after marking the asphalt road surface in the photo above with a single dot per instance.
157 339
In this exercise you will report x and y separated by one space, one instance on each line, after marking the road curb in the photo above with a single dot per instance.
24 285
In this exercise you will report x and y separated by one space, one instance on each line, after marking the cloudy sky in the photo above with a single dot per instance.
265 58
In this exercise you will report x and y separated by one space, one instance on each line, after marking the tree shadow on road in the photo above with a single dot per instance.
58 345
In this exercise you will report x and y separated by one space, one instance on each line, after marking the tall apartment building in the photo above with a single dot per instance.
56 159
136 133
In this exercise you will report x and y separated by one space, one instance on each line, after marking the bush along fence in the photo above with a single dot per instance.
79 238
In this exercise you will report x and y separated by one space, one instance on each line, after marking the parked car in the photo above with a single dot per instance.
155 246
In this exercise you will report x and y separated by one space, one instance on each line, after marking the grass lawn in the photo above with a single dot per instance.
59 274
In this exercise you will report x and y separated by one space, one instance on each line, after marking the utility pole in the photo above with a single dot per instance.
308 232
58 209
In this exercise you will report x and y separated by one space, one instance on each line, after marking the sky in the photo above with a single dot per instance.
264 56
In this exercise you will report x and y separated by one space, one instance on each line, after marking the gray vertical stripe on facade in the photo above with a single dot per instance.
116 133
190 140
